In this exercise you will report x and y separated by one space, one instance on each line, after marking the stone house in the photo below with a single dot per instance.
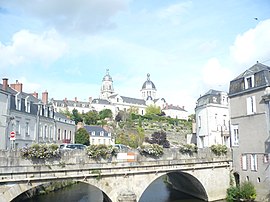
249 110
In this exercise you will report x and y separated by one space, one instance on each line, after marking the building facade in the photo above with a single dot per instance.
28 118
109 99
212 119
99 135
249 110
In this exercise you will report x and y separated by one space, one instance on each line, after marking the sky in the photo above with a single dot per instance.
188 47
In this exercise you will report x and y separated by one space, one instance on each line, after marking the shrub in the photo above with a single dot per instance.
101 151
245 192
151 149
219 149
188 149
40 151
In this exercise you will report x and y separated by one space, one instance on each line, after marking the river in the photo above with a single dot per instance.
80 192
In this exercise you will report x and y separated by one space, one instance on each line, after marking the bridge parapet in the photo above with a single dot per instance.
78 166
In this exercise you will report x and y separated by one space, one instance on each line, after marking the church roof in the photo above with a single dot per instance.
133 100
148 84
100 101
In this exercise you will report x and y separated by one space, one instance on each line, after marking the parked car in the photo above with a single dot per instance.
121 147
72 146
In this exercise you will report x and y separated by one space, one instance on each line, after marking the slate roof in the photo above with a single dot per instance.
133 100
97 130
174 108
71 103
100 101
261 79
254 69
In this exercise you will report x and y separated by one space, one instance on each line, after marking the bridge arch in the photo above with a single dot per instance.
183 182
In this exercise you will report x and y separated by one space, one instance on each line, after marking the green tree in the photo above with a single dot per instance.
91 118
82 136
105 113
152 109
76 116
133 110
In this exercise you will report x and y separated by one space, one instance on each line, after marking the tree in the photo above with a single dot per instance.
159 138
152 109
133 110
82 136
105 113
91 118
76 116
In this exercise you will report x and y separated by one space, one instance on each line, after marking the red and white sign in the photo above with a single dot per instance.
12 135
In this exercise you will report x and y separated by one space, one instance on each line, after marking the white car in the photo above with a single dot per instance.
72 146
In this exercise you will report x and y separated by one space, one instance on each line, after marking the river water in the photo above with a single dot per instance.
80 192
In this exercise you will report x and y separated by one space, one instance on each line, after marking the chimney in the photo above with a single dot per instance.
183 107
90 99
45 97
17 86
75 99
65 99
35 94
166 105
5 84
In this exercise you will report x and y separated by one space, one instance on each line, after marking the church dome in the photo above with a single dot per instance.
148 84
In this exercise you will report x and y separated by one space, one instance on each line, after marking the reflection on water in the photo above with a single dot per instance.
80 192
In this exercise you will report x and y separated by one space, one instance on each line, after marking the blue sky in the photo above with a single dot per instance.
188 47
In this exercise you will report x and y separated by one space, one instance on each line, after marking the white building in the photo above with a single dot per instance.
109 99
31 119
212 119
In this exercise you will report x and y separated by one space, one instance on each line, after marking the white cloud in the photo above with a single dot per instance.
214 74
174 12
28 47
252 45
72 16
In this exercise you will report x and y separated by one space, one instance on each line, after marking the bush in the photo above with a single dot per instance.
245 192
40 151
219 149
188 149
151 149
101 151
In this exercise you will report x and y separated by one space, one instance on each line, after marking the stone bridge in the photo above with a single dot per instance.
202 175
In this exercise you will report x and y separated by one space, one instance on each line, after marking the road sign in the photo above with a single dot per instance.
12 135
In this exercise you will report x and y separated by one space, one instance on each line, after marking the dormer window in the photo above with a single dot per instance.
249 82
93 133
101 133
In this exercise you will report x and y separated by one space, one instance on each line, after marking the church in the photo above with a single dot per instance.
109 99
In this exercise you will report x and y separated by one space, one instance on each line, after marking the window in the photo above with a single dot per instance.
244 161
27 129
251 105
45 131
18 104
59 134
27 107
235 135
101 133
18 127
199 122
93 133
265 158
253 162
249 82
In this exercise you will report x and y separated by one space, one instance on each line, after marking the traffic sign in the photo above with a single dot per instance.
12 135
